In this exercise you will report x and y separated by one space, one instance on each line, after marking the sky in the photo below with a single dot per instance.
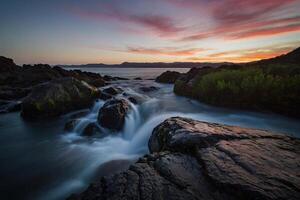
115 31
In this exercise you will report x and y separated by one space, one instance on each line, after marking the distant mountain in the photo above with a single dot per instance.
292 57
150 65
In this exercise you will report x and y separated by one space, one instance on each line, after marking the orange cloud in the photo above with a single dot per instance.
247 55
166 51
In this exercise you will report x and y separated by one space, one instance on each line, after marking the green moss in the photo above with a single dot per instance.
51 102
38 106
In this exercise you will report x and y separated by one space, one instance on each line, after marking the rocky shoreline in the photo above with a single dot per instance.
198 160
188 159
41 91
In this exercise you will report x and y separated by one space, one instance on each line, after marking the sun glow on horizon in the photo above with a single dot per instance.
113 32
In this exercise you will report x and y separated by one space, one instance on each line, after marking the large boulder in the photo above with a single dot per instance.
198 160
168 77
112 114
57 97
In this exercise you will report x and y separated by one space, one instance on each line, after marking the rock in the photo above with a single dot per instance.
70 125
7 65
138 78
148 89
79 114
182 134
104 96
109 92
136 99
11 93
112 91
184 85
111 78
57 97
15 76
112 114
91 129
198 160
98 82
133 100
10 106
168 77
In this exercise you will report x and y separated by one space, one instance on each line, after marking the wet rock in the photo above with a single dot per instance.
136 99
91 129
111 78
148 89
79 114
57 97
97 82
133 100
70 125
11 93
109 93
112 114
182 134
198 160
104 96
168 77
112 91
10 106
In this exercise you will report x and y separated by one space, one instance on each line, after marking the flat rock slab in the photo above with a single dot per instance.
198 160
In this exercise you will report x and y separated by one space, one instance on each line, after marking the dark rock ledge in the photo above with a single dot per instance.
197 160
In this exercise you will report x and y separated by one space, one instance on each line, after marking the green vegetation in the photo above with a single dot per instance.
273 87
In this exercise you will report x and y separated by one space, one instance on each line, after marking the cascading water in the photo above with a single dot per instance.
69 162
132 141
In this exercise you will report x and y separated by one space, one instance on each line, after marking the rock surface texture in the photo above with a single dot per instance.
17 82
57 97
112 114
168 77
197 160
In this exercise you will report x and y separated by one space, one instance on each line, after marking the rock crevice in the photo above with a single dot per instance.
235 163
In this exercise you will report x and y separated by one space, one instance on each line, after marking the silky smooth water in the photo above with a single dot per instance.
41 161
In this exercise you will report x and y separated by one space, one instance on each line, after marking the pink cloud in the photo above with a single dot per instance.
251 30
235 19
236 11
159 24
261 32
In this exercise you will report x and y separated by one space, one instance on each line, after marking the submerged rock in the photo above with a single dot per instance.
91 129
109 93
198 160
133 100
57 97
70 125
112 90
148 89
10 106
168 77
112 114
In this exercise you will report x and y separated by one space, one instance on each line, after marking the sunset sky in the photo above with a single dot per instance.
114 31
